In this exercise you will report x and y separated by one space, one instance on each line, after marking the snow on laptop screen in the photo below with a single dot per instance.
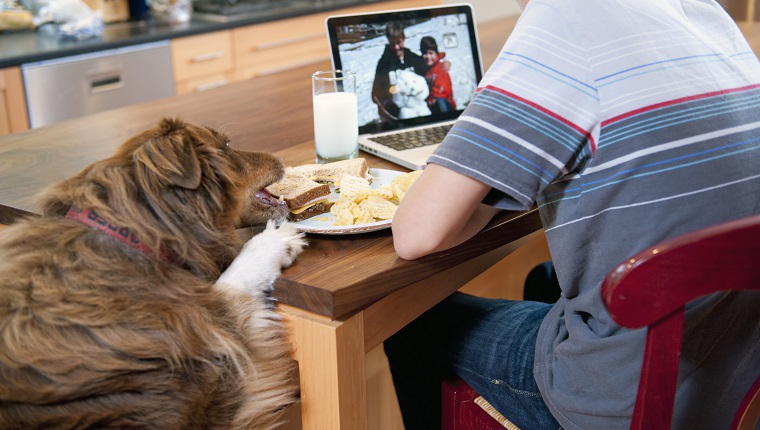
429 73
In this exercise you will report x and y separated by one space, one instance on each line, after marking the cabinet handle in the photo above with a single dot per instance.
211 85
105 82
208 56
281 42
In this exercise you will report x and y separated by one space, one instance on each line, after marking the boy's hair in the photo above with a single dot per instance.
427 43
395 29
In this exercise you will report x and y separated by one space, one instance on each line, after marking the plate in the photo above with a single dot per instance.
323 224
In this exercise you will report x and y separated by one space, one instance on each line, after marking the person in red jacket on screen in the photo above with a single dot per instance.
441 98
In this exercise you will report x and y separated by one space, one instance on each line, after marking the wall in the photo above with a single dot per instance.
487 10
742 10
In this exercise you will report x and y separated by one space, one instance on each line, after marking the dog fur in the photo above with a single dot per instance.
97 334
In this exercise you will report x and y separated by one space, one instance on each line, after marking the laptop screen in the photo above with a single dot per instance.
413 66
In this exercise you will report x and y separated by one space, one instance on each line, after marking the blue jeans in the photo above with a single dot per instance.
488 343
441 106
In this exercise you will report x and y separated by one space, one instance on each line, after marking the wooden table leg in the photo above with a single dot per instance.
331 362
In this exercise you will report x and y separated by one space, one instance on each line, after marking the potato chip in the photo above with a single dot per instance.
362 215
342 212
359 203
379 207
384 191
352 185
401 183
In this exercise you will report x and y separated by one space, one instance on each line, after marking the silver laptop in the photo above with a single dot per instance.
402 114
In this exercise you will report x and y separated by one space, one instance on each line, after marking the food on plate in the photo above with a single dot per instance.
306 190
361 204
353 185
401 184
333 172
305 198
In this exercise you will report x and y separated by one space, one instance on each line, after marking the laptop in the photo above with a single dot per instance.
396 122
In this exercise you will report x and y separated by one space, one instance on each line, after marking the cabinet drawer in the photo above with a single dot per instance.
203 83
280 40
261 62
196 56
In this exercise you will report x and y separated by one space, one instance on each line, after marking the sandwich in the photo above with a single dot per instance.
306 191
333 172
304 198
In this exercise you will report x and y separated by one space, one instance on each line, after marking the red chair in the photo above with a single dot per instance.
464 409
653 287
651 290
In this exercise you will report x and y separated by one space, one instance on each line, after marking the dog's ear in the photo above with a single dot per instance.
171 156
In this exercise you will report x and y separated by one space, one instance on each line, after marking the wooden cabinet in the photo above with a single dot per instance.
280 45
202 62
261 49
13 115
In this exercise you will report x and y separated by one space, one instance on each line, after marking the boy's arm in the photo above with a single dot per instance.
441 210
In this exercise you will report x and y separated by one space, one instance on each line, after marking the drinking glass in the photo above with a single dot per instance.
336 122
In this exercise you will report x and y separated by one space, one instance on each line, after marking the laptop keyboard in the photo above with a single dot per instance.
413 138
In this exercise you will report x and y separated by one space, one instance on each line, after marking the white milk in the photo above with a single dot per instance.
336 125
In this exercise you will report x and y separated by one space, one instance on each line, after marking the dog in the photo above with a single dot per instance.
411 92
130 303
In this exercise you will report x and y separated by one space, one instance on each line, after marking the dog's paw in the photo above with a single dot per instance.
263 257
287 235
294 240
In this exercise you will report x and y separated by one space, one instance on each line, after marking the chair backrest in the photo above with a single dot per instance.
651 290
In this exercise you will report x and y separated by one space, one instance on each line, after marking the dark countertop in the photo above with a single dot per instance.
21 47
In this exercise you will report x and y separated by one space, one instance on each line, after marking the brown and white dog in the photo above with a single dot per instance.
130 304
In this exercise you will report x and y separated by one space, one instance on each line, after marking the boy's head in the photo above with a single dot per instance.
394 31
429 50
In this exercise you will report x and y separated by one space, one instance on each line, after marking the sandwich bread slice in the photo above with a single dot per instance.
332 172
305 198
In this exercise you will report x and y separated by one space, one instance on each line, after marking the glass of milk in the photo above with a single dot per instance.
336 122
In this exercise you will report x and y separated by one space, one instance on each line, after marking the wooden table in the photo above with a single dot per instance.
345 294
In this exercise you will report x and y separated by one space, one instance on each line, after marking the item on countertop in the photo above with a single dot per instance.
139 10
69 20
172 11
304 197
14 17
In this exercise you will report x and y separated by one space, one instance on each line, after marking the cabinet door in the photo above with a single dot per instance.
196 56
13 115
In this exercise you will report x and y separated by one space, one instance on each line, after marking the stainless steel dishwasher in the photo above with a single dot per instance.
79 85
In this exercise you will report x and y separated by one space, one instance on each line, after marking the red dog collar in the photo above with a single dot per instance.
91 218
